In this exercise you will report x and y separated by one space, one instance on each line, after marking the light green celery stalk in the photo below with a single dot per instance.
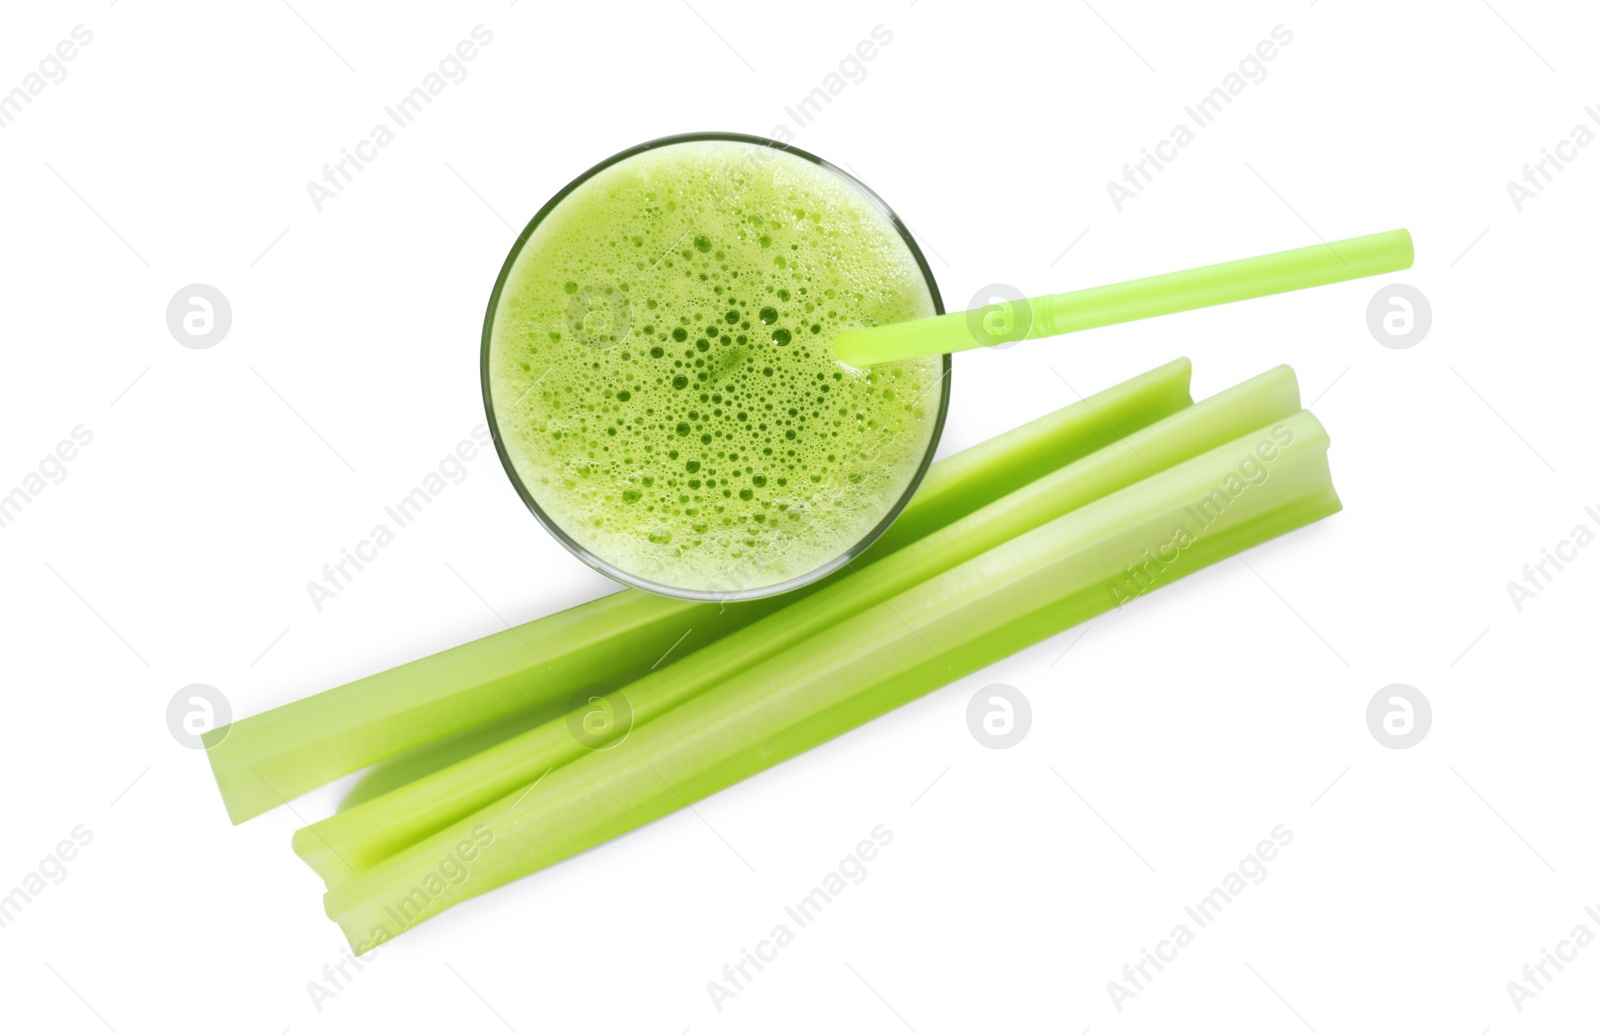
1082 564
431 757
271 758
978 475
358 838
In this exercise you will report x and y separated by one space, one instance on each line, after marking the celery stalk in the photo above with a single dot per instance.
1014 458
271 758
360 837
397 772
1077 566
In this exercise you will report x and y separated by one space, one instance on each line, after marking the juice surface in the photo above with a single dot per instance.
660 374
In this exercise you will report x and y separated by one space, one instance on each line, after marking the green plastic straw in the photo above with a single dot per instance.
1197 288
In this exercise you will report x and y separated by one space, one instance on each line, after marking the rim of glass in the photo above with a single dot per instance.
629 578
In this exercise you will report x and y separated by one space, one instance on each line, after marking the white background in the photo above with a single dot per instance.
1169 740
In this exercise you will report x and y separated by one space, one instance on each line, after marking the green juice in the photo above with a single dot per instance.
659 374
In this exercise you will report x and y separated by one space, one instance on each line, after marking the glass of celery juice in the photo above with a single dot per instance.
657 373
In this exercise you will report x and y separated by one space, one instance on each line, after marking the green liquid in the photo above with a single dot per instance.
660 372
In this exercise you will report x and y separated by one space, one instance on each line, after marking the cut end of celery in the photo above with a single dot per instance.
321 856
245 792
